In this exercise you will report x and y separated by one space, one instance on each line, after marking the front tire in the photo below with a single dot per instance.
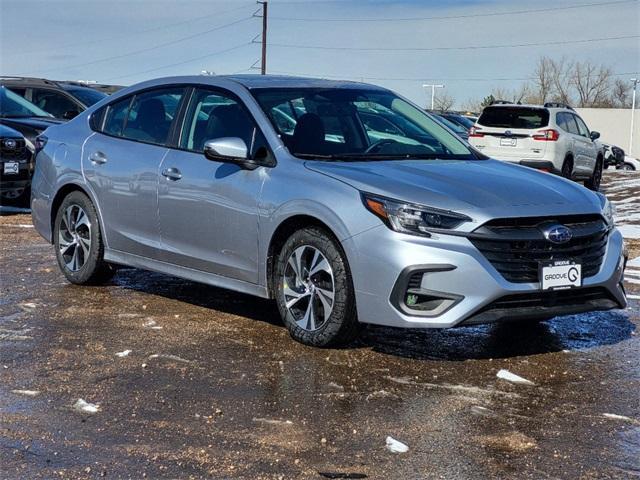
596 177
78 242
314 290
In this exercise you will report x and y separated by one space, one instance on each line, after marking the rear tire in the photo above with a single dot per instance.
314 290
78 242
567 168
596 177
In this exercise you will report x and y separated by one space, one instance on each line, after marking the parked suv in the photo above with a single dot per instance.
273 186
63 100
552 137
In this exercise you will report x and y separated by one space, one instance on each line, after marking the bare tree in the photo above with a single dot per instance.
444 102
561 71
543 80
620 94
592 84
472 105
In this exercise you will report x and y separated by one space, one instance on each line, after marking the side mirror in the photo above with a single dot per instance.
230 150
595 135
69 114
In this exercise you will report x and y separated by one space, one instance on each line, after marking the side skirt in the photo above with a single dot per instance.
128 259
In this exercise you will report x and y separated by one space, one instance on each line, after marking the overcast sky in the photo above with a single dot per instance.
128 41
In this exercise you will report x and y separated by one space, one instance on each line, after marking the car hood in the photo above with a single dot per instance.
6 132
482 189
36 123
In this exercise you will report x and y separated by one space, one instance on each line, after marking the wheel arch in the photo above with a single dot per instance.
59 197
283 231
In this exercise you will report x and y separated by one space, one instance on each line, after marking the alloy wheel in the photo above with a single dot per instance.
74 237
308 288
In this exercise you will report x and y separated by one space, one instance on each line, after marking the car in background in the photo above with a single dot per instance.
613 156
63 100
16 165
337 223
20 116
459 119
550 137
458 129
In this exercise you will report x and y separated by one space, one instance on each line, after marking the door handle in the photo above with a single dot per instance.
172 173
98 158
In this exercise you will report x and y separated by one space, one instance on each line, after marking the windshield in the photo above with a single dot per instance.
341 123
88 96
514 117
13 105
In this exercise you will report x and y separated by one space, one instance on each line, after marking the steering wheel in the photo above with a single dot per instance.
376 146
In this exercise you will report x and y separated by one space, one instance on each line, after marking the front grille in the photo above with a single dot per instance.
551 298
20 152
516 247
543 305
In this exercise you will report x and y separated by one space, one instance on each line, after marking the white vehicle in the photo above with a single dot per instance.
550 137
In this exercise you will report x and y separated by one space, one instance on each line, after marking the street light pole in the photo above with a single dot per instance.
433 92
633 111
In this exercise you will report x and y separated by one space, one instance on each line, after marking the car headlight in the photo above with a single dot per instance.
608 211
410 218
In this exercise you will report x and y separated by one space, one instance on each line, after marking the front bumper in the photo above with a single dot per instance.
474 291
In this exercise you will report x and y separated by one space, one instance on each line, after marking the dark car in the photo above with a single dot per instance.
20 123
457 118
63 100
16 167
458 129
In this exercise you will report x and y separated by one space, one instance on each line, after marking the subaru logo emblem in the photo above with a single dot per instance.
10 144
557 234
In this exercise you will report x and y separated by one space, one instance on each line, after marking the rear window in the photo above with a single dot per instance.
514 117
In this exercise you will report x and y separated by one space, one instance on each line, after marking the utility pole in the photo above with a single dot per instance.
433 92
633 111
263 63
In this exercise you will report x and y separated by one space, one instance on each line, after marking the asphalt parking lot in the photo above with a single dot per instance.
185 380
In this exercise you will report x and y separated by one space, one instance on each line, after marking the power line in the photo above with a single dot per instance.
450 17
194 59
421 79
144 50
466 47
139 32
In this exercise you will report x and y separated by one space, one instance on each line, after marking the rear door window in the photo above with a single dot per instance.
582 127
567 123
151 115
514 117
116 114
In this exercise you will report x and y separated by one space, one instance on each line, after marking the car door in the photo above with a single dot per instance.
121 163
589 147
209 209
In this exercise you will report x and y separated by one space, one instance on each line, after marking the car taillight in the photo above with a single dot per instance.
41 141
549 135
475 132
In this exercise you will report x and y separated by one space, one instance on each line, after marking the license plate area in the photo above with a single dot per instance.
508 142
11 168
560 275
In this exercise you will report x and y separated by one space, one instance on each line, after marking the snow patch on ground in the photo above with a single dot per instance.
513 378
86 407
630 231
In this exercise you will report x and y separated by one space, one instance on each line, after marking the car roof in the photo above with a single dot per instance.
529 105
251 81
